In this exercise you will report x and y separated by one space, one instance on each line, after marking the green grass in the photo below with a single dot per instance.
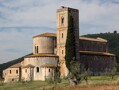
37 85
34 85
101 80
24 86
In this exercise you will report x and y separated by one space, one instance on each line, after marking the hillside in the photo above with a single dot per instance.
10 63
113 41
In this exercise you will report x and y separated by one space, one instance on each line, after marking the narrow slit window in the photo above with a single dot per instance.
62 51
62 35
49 70
16 71
62 20
10 71
37 69
36 49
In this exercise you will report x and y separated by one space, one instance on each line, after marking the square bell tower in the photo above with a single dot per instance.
62 27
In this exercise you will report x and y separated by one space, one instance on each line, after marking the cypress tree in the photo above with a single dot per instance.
70 44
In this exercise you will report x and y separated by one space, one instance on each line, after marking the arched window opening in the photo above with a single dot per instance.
37 69
49 70
62 20
16 71
36 49
10 71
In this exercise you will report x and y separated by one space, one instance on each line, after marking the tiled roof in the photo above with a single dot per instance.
48 65
29 65
97 53
16 65
46 35
82 38
43 55
93 39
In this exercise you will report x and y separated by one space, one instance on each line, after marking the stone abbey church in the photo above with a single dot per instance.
49 53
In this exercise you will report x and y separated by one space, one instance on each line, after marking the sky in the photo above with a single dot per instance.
20 20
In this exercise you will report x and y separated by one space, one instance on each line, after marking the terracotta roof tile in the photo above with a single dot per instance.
43 55
46 35
93 39
29 65
97 53
48 65
16 65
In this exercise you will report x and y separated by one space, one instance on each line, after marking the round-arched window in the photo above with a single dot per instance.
62 20
37 69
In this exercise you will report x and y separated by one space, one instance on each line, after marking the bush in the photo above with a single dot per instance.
50 81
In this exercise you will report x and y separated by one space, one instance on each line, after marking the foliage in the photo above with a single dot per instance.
115 32
70 44
1 82
75 71
57 78
70 57
86 74
113 72
49 81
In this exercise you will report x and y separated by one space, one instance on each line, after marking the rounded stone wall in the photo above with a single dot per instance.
46 64
41 60
44 44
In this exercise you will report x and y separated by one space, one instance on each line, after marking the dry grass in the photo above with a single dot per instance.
99 87
89 87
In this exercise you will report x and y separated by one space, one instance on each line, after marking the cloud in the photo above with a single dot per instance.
17 41
22 19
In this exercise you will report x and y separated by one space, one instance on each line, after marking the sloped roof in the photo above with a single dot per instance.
48 65
29 65
82 38
97 53
43 55
46 35
16 65
93 39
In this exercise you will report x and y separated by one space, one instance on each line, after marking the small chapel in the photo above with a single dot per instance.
49 53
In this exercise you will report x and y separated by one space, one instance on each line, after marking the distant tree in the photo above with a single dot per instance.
107 72
115 32
1 81
74 75
86 74
113 72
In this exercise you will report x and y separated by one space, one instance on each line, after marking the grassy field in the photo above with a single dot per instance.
94 83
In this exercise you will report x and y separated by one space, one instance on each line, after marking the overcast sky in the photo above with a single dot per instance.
22 19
